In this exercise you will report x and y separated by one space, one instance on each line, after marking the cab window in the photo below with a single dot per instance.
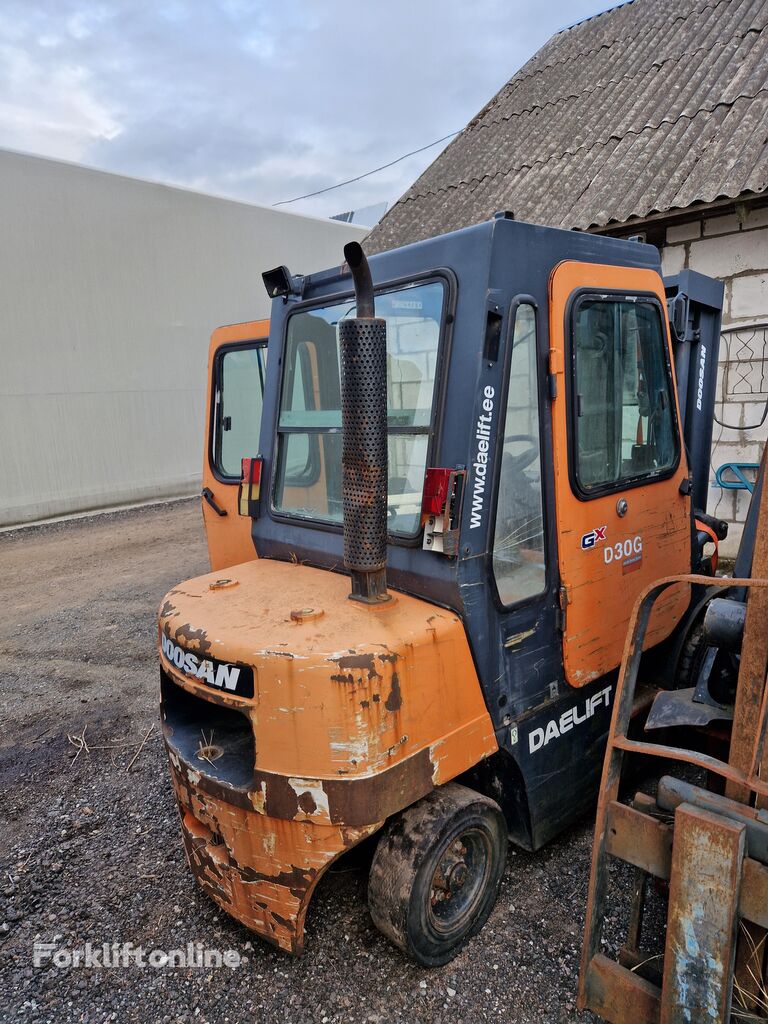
518 542
301 464
238 401
309 425
623 407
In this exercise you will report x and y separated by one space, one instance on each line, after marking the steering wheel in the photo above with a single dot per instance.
517 463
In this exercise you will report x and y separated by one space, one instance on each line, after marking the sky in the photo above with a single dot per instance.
261 100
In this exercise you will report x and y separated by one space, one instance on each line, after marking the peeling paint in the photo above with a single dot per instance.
263 871
312 798
259 798
193 639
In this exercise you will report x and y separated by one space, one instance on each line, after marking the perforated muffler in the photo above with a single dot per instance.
363 345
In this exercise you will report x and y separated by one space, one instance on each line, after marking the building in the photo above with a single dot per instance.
367 216
650 119
110 288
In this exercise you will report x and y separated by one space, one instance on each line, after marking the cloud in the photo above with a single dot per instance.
259 100
50 111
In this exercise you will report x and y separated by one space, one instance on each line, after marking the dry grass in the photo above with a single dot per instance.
207 750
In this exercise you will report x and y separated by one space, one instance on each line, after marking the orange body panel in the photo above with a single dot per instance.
229 537
599 592
349 690
357 712
262 870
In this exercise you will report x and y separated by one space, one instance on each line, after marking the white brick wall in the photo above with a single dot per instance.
725 256
734 248
748 294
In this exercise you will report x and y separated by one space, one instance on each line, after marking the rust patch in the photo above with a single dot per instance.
281 801
366 662
355 802
167 610
371 798
307 803
296 881
204 867
282 920
183 593
349 679
395 699
193 639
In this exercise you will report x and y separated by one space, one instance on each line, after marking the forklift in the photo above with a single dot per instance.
474 453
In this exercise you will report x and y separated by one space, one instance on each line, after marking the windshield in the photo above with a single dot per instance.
309 426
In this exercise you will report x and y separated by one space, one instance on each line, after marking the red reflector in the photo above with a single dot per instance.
252 471
250 488
436 485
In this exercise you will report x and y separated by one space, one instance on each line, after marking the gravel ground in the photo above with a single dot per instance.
90 849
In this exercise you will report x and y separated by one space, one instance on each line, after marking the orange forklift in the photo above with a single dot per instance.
430 512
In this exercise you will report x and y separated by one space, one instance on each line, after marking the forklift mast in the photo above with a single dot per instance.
695 305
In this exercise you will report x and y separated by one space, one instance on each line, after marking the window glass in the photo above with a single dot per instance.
518 542
309 427
622 391
239 400
301 447
407 461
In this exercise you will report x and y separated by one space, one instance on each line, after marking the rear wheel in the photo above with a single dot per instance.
436 872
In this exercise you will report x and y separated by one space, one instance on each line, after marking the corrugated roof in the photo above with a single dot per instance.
646 108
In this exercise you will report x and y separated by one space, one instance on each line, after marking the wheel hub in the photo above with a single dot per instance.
457 876
452 873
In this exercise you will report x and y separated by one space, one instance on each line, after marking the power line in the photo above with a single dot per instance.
349 181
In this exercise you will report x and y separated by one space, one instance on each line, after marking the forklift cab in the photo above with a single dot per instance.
535 365
537 483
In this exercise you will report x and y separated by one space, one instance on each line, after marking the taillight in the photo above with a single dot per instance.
441 509
249 497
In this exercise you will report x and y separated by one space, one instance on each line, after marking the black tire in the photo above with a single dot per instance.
436 872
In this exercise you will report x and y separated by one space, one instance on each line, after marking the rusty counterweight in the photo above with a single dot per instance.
329 743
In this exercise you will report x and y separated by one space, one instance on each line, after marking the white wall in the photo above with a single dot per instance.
109 290
733 248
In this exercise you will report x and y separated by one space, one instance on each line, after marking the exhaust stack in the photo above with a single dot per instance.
363 346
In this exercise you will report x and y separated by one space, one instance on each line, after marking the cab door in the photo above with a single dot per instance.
622 516
236 369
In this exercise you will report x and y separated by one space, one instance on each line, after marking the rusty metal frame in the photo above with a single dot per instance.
606 987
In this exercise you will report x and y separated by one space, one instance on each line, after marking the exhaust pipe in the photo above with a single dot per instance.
363 346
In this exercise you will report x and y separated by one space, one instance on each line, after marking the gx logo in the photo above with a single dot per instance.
590 539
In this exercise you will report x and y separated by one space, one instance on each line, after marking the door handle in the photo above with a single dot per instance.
207 493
